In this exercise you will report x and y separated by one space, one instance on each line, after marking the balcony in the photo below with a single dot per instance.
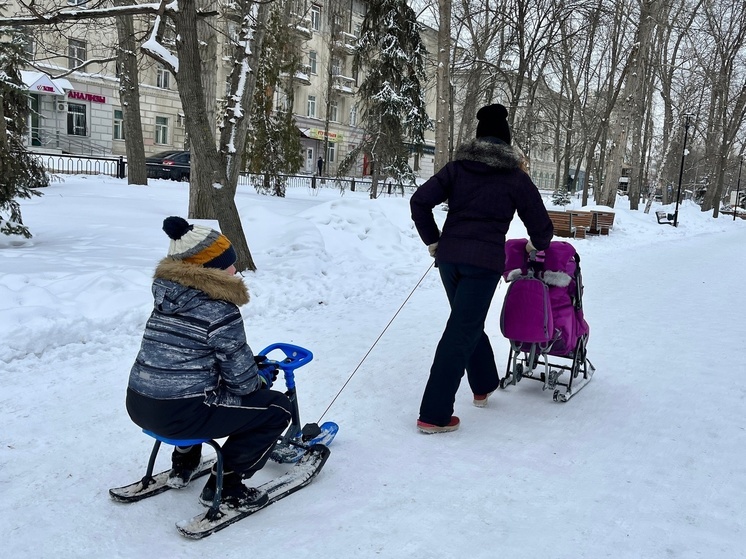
345 43
303 74
302 26
343 85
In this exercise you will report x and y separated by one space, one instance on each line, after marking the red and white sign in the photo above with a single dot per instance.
38 82
86 96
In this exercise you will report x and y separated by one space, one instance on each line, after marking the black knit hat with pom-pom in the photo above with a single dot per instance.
198 244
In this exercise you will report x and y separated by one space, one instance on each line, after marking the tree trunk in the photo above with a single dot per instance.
200 200
211 176
443 87
129 97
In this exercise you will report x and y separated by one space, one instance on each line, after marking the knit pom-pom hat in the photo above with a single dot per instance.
198 244
493 121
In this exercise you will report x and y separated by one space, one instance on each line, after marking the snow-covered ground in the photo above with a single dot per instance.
647 462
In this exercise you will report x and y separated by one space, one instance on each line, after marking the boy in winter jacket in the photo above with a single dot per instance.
195 376
485 185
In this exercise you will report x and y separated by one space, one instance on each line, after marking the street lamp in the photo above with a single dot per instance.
738 189
687 123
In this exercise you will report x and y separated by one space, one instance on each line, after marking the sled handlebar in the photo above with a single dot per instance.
295 356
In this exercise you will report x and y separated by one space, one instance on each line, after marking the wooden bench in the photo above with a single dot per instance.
582 222
603 222
562 221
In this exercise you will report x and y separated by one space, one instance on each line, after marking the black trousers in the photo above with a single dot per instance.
252 425
464 344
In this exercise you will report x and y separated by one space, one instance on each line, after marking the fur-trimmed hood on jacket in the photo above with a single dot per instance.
215 283
498 155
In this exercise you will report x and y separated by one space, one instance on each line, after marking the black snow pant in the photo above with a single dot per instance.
252 425
464 344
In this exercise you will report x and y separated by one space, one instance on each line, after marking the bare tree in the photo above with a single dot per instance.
129 97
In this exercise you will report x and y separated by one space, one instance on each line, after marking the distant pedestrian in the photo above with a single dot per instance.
320 165
485 185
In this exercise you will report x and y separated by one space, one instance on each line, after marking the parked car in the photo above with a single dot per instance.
176 166
155 163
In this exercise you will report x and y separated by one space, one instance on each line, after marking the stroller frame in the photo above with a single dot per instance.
529 366
536 362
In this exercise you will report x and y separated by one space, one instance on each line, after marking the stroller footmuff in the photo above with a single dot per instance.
542 317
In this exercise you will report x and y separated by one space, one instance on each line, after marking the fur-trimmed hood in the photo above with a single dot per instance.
213 282
498 155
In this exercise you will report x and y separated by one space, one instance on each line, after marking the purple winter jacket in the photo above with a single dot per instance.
484 187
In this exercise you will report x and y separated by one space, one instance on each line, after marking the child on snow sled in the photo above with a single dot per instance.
195 376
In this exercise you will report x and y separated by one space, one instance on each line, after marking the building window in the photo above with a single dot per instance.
76 54
118 124
312 105
76 119
336 66
234 33
315 17
337 23
162 78
333 111
353 116
332 152
312 61
161 130
357 29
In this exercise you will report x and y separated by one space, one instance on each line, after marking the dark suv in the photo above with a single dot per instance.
176 166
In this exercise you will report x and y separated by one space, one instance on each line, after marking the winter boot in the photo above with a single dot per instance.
235 494
430 429
480 400
185 462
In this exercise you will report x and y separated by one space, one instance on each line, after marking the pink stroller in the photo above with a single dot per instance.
542 317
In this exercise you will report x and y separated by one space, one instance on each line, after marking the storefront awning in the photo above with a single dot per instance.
38 82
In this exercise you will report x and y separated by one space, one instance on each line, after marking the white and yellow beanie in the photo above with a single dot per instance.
198 244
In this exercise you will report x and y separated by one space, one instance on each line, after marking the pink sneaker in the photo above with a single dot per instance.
480 400
430 429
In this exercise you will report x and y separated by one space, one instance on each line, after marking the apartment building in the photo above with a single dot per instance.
78 110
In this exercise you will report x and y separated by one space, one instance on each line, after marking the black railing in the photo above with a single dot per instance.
116 166
56 163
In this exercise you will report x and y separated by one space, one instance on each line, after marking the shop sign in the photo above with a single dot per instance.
318 134
86 96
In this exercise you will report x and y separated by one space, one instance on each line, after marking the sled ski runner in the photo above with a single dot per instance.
152 484
300 475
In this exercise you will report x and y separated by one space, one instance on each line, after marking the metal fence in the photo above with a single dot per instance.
65 164
55 163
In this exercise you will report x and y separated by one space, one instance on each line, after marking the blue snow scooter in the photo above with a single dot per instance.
304 446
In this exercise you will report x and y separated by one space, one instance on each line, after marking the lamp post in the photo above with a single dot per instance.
687 123
738 189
